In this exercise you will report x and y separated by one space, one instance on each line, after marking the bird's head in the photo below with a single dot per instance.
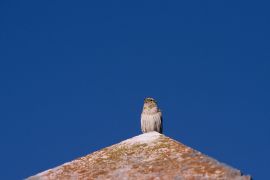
150 103
149 100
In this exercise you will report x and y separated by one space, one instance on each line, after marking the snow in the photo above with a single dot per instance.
143 138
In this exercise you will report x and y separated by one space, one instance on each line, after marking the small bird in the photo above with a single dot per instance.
151 117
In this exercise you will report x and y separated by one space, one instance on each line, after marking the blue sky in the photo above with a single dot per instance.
73 76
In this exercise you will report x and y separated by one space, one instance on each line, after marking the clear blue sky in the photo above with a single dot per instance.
73 76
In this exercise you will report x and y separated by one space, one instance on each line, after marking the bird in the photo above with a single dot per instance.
151 117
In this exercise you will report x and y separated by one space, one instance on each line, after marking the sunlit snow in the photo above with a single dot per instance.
143 138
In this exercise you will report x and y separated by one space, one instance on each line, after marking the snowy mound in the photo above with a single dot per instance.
147 156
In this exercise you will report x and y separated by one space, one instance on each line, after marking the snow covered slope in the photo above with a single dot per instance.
147 156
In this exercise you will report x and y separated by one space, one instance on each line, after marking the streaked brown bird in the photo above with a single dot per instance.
151 117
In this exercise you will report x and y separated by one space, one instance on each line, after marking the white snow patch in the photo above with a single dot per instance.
143 138
121 172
